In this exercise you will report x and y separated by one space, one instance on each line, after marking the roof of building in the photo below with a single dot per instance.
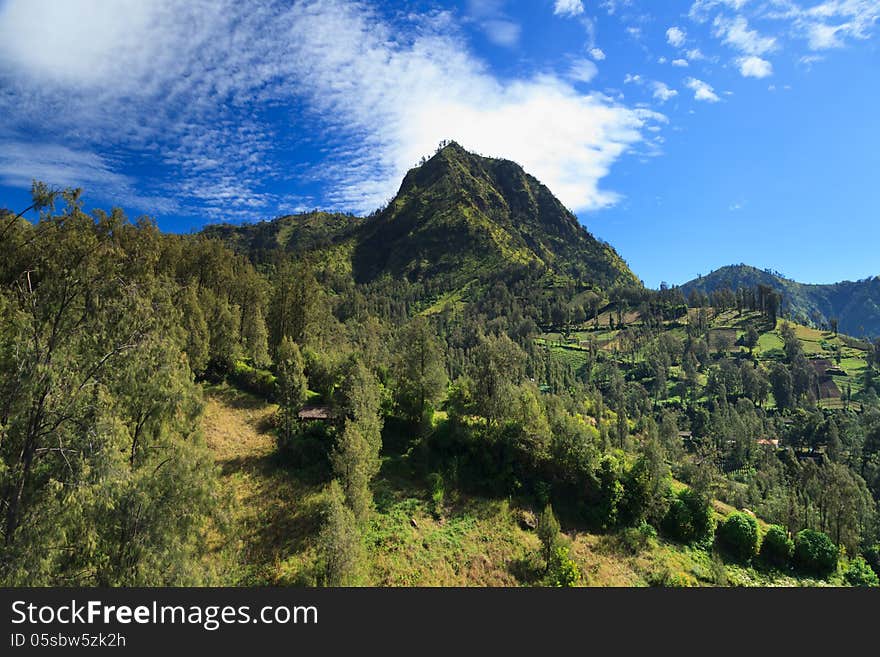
316 413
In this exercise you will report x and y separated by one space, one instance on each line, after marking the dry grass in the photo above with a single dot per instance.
275 513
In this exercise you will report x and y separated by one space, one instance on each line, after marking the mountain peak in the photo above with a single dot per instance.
459 214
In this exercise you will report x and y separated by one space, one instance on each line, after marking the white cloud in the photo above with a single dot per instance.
502 32
630 78
736 33
568 8
676 37
754 67
598 54
695 55
59 166
583 70
702 90
663 92
823 24
172 81
681 63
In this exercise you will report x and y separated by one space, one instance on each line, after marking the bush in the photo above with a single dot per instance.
739 536
859 573
689 519
438 493
250 379
872 556
777 548
815 553
563 571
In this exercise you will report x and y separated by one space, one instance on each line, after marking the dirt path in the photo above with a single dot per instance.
274 512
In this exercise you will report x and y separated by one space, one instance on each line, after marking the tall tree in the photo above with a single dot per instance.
340 543
419 371
291 387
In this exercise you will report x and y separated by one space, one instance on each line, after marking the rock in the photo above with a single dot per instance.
527 520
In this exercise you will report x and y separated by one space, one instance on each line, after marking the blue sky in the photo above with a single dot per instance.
689 134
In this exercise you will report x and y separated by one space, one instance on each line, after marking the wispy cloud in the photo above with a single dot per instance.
735 32
568 8
189 86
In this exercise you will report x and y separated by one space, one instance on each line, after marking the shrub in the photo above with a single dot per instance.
872 556
815 553
859 573
438 491
739 536
250 379
689 519
548 533
777 548
563 571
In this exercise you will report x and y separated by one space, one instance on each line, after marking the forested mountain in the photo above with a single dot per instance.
854 304
459 214
294 234
457 217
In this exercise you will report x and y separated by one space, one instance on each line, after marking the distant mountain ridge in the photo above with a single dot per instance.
856 304
457 216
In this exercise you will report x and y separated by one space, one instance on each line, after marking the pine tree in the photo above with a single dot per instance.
291 387
255 337
419 371
548 533
340 543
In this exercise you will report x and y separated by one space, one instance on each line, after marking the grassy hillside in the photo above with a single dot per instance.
846 356
471 541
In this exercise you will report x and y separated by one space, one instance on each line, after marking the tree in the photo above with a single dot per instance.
751 339
647 487
497 367
548 533
297 308
291 387
104 478
563 571
859 573
340 543
777 548
224 328
255 338
359 399
782 386
355 463
419 371
739 535
689 519
815 553
196 329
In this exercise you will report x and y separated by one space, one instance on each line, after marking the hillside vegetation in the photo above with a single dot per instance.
855 305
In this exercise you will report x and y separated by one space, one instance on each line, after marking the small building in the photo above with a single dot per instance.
768 442
316 414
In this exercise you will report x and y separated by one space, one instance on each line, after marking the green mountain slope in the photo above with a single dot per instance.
297 233
459 215
855 303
